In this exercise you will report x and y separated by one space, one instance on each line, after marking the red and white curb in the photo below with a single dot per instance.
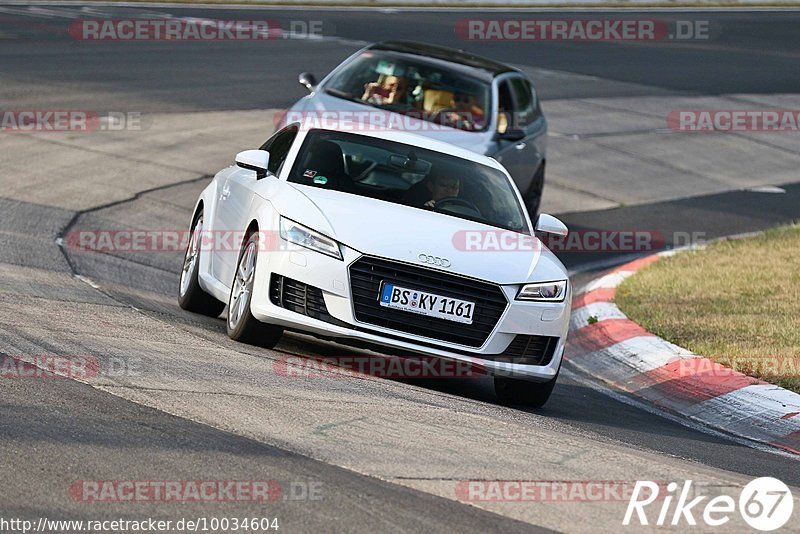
605 344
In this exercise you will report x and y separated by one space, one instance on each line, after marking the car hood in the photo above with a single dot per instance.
313 106
403 233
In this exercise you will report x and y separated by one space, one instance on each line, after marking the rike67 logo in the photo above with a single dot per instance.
765 504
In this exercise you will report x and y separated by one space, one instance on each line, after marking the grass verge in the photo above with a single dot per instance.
736 302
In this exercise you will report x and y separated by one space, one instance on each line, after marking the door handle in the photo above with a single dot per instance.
520 146
226 192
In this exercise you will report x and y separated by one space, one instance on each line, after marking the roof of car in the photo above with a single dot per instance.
460 57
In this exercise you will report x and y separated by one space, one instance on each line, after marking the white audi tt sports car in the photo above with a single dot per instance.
387 239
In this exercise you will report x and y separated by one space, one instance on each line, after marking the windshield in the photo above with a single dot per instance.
427 91
408 175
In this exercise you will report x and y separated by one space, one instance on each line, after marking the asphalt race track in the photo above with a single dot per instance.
350 453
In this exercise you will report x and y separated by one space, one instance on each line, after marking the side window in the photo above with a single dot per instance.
505 111
278 147
524 101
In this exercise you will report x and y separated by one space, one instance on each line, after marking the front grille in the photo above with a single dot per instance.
299 298
366 276
528 350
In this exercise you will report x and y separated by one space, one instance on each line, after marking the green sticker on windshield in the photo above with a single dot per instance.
322 180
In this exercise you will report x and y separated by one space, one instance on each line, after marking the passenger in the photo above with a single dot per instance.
465 113
391 91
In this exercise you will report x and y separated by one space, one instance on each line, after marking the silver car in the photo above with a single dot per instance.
453 96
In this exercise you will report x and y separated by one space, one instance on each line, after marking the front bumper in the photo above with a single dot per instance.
331 276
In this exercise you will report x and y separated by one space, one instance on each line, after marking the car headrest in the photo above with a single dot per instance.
326 158
436 99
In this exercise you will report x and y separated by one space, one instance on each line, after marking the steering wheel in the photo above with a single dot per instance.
463 121
456 202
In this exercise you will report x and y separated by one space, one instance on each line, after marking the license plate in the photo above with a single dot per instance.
423 303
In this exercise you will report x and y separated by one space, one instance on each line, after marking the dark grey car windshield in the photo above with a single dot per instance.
409 175
429 91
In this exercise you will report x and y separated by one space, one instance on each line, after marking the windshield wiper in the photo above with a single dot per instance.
347 96
344 95
472 218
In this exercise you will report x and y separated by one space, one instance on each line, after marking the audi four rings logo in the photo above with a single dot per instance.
434 260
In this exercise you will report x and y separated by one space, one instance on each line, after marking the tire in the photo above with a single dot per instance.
191 296
242 326
522 392
533 198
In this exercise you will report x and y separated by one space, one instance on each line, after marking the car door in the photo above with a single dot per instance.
529 118
507 151
236 197
521 157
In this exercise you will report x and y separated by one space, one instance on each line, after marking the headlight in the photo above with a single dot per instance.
544 291
308 238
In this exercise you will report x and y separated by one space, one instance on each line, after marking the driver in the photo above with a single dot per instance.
442 187
428 192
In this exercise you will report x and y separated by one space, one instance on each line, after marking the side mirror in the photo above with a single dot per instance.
512 135
307 80
547 224
254 160
506 130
